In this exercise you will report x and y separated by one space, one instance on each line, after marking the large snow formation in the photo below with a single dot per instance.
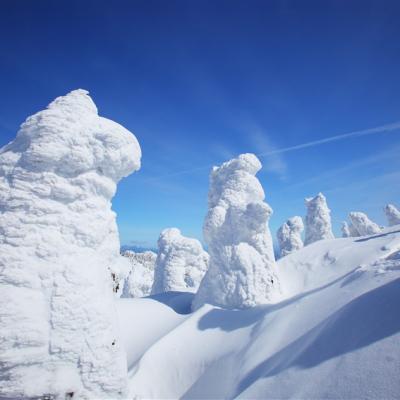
181 263
363 225
318 220
289 236
59 241
141 275
392 215
242 271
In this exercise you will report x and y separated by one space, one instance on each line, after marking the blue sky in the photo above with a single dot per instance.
199 82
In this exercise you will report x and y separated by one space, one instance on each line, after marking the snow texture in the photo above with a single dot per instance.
59 241
345 230
242 271
289 236
392 215
363 225
318 220
181 263
141 275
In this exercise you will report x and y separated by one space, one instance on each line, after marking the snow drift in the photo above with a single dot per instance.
181 263
242 270
59 244
318 220
289 236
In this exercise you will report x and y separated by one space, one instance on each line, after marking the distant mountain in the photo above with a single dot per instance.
137 249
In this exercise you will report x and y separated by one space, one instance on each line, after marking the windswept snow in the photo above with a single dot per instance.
59 246
181 263
289 236
242 271
363 225
392 215
318 220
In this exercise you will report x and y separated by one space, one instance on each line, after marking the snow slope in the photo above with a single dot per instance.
334 335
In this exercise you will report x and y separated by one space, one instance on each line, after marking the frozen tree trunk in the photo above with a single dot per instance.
59 243
242 264
289 236
181 263
318 220
363 225
392 215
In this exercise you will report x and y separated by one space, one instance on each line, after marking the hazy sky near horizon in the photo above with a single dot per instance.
200 82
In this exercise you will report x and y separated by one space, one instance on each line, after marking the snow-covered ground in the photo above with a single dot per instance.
334 335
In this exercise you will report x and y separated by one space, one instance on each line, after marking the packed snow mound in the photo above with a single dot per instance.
141 275
392 214
59 242
181 263
242 271
335 336
289 236
363 225
318 220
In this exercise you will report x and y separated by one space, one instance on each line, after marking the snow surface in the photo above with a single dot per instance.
335 334
318 220
181 263
363 225
141 275
289 236
392 214
242 269
59 245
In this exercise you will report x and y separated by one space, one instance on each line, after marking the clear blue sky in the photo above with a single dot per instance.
201 81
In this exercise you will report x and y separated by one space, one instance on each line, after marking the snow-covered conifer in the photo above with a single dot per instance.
181 263
59 242
242 264
363 225
318 220
345 230
392 215
289 236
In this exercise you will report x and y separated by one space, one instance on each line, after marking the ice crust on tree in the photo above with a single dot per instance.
363 225
242 264
392 215
141 275
345 229
318 224
181 263
289 236
59 243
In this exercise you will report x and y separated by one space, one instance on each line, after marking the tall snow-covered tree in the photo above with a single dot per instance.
392 215
59 241
289 236
181 263
363 225
242 269
318 224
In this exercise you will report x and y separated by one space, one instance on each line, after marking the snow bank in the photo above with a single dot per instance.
141 275
318 220
392 215
363 225
59 242
289 236
181 263
242 264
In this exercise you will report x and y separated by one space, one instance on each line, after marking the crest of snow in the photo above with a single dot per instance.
242 263
392 215
141 276
363 225
181 263
318 220
59 242
289 236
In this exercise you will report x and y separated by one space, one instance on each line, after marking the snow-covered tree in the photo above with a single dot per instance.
59 241
345 230
242 264
318 220
141 276
181 263
392 215
363 225
289 236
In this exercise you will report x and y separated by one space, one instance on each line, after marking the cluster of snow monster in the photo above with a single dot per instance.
60 246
